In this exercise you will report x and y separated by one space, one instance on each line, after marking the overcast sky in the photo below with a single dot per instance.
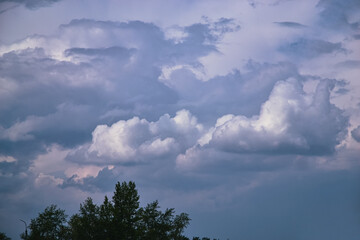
244 114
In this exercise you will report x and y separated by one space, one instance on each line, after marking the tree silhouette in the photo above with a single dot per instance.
49 225
86 224
121 218
3 236
106 219
125 211
157 225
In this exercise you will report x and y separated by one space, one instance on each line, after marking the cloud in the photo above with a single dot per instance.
104 181
138 140
54 127
337 14
349 64
32 4
122 55
229 93
90 73
97 102
356 134
290 24
7 159
95 76
57 89
291 121
7 8
310 48
280 126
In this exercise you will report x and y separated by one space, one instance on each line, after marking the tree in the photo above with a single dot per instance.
106 219
49 225
3 236
155 224
125 211
86 224
180 222
121 218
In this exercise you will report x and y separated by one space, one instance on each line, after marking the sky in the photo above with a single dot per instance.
243 114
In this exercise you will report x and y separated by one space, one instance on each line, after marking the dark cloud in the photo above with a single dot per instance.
42 83
310 48
231 93
8 8
349 64
356 134
342 91
32 4
115 52
337 14
290 24
150 40
51 109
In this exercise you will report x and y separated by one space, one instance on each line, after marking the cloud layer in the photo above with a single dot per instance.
214 108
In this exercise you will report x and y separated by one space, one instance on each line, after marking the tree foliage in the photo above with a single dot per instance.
3 236
121 218
125 211
49 225
155 224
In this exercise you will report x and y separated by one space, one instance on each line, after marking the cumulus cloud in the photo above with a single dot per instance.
291 121
137 140
281 123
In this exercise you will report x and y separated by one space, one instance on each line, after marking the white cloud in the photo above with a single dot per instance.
290 122
7 159
289 119
137 139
